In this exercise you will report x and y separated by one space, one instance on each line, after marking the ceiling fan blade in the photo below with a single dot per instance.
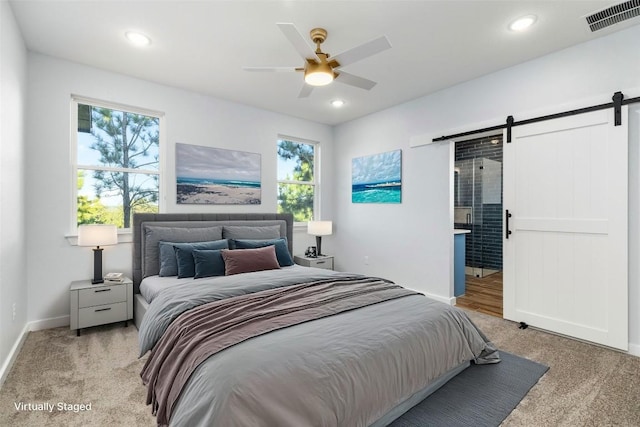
363 51
350 79
295 38
305 91
271 69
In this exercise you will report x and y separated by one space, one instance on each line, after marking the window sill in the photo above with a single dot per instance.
124 236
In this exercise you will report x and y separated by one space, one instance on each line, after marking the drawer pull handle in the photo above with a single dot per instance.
102 290
103 309
320 262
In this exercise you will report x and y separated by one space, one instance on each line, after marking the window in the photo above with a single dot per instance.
297 179
116 168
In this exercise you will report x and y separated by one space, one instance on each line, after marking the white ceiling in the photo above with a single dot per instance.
202 45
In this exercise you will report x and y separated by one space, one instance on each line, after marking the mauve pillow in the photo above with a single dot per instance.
248 260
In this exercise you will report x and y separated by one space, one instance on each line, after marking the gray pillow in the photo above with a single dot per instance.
251 232
168 263
154 234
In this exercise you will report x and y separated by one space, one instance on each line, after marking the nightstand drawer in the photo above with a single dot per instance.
102 314
101 295
322 263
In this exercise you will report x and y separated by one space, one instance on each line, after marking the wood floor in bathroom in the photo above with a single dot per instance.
483 294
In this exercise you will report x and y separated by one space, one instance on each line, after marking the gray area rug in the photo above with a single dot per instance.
480 396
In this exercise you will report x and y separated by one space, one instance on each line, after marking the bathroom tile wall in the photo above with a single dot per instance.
480 159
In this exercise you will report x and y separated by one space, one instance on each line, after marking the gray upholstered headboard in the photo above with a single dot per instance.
196 220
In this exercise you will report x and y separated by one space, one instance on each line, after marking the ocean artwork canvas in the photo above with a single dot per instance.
208 175
377 178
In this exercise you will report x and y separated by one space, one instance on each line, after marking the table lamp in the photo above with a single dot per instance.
319 229
97 235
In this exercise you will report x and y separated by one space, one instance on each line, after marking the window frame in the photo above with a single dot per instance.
316 175
75 166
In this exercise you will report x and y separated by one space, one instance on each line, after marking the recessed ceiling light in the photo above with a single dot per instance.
136 38
523 23
337 103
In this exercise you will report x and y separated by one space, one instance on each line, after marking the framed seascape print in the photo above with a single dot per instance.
377 178
216 176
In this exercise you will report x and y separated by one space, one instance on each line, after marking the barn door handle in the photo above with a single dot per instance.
507 215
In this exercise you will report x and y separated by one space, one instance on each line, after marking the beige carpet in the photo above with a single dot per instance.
99 367
585 386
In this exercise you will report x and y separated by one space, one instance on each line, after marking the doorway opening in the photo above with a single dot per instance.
478 214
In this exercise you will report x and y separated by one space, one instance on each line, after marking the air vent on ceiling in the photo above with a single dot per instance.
613 15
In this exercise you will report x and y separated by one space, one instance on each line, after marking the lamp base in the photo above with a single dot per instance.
319 246
97 266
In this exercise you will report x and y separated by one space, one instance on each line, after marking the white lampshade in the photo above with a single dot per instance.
97 235
320 228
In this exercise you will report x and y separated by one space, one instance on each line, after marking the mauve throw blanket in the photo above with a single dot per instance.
205 330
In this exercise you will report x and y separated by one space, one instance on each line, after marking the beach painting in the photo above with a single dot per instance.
216 176
377 178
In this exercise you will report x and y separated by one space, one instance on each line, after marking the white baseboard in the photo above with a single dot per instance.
634 349
446 300
52 322
37 325
13 354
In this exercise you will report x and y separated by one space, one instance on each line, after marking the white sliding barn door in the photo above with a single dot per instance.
565 261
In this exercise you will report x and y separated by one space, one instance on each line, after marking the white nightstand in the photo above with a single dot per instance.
93 305
324 261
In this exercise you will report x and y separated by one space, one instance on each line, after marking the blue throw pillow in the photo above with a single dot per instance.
184 255
168 263
282 250
208 263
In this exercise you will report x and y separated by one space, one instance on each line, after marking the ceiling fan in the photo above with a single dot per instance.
319 69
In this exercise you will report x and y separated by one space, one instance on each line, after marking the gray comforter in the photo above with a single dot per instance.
349 369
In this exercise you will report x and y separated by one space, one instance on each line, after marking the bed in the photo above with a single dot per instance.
283 345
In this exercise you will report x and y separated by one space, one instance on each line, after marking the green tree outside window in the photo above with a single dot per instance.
296 179
118 165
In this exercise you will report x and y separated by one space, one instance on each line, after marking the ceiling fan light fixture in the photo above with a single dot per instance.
318 78
318 74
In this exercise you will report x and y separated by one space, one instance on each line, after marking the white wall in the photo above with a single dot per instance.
190 118
13 93
411 242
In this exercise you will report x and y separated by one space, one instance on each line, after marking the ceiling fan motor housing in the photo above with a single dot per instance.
318 73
